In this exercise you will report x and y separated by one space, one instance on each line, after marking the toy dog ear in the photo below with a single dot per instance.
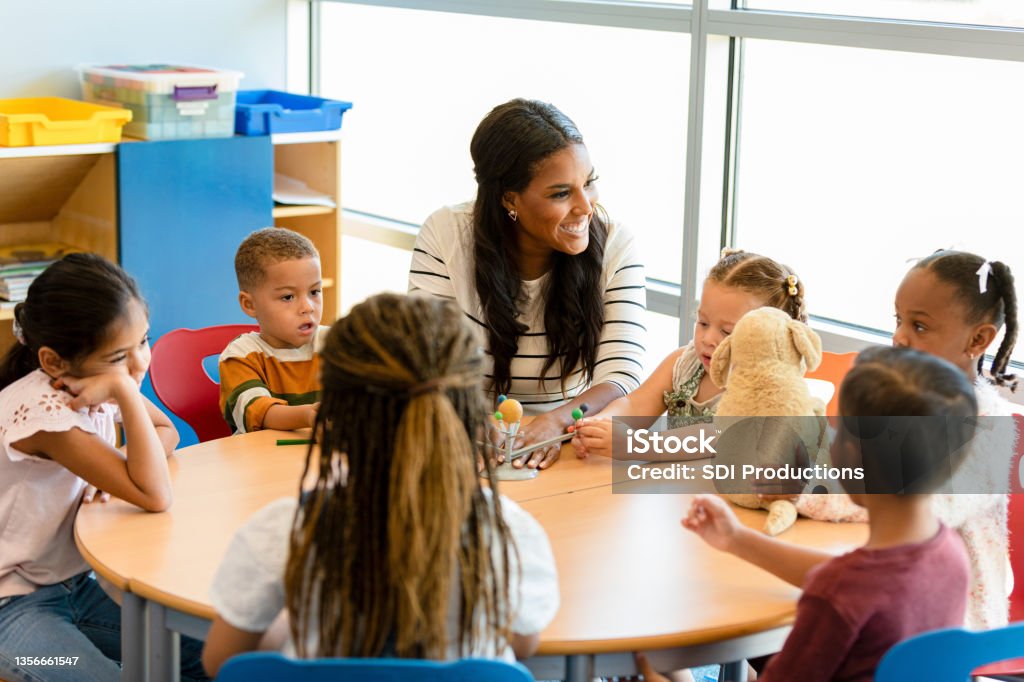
807 344
720 362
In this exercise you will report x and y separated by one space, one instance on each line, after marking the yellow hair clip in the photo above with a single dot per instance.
792 281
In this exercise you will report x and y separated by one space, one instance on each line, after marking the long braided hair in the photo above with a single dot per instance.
997 305
398 522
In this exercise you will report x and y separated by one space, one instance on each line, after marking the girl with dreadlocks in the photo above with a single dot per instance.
397 550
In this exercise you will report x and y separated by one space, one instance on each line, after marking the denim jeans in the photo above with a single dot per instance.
73 631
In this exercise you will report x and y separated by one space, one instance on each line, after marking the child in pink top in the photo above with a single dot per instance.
82 351
912 575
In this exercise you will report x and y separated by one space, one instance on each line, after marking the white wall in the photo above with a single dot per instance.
41 41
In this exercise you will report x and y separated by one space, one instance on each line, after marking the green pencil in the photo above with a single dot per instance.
293 441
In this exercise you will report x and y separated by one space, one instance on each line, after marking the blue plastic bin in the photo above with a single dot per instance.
265 112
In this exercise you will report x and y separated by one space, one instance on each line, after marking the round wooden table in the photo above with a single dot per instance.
631 578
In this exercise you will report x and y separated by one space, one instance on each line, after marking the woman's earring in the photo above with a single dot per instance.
513 214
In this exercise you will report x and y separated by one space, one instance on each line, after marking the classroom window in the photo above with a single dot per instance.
844 161
854 161
421 82
978 12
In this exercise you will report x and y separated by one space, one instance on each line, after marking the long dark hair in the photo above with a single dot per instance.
70 309
998 305
506 148
398 509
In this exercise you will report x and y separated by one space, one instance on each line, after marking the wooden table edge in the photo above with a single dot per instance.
101 569
186 606
567 647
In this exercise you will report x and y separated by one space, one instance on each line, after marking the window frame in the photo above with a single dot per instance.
709 193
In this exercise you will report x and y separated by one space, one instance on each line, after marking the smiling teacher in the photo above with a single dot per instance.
555 286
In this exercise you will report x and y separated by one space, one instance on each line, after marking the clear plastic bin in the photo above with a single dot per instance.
167 101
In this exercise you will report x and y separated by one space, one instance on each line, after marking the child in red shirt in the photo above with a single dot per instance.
912 575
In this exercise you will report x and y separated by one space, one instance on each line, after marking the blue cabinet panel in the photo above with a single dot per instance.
184 206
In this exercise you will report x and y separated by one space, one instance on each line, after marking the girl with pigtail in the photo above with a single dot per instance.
397 550
952 304
740 282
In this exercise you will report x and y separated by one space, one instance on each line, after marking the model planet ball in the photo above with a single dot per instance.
511 410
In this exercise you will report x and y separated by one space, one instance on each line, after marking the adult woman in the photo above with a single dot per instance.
556 287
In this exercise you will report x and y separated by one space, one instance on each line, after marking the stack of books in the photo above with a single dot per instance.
20 265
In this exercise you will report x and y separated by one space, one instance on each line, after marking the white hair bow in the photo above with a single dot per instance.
983 274
19 334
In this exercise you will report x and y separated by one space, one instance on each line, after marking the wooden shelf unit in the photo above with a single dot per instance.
297 211
315 161
69 194
70 198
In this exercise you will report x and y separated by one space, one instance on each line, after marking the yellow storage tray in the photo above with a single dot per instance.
36 121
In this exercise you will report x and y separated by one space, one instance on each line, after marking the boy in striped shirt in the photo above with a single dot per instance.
270 379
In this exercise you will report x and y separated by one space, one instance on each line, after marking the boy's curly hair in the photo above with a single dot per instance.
266 247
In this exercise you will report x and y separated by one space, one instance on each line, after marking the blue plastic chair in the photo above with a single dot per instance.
949 655
273 667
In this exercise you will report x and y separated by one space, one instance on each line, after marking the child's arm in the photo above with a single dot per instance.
224 641
290 417
594 434
711 518
139 475
524 646
165 431
247 402
816 646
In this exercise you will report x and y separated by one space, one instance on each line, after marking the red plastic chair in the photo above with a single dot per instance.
181 383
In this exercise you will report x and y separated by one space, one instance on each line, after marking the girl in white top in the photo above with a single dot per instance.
397 550
82 350
681 385
952 304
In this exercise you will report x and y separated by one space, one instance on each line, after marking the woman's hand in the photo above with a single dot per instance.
540 429
593 437
711 518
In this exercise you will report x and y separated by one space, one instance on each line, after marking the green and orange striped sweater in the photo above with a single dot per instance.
254 376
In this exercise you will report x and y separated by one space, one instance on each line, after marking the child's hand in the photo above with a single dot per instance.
711 518
91 493
92 391
593 437
312 413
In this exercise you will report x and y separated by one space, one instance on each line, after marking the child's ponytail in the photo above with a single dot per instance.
1008 293
19 360
398 508
986 289
425 521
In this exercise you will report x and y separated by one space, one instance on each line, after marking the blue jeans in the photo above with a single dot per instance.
75 628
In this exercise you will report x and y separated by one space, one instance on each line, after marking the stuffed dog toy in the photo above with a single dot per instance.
761 365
